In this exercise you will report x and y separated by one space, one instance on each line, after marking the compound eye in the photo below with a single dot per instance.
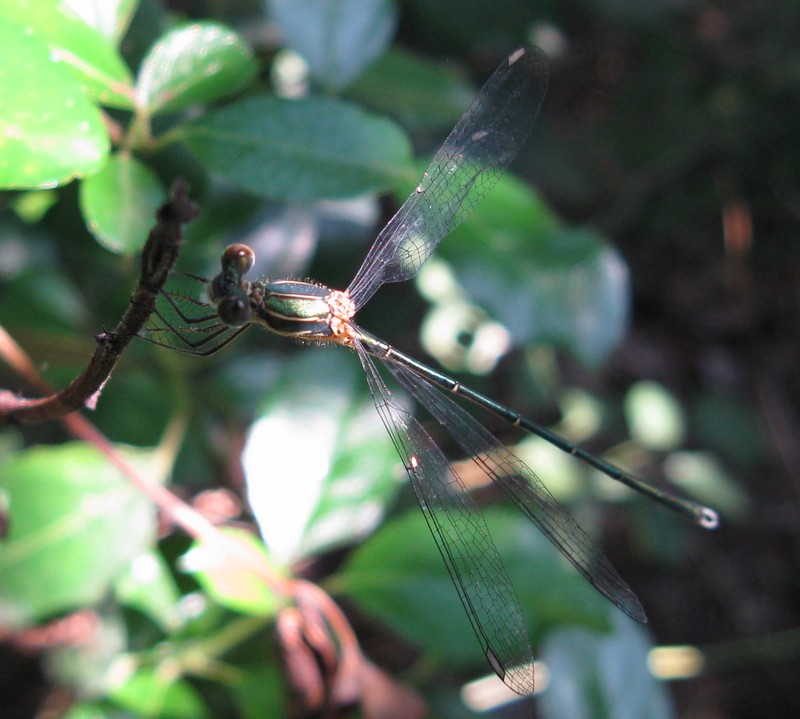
239 256
234 310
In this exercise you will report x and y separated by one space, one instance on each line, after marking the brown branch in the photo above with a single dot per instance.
158 257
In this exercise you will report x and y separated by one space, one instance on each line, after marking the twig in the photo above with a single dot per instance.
158 257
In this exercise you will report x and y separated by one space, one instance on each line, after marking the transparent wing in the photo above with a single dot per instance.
462 537
184 321
468 164
527 491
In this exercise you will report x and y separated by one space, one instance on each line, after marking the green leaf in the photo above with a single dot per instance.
110 17
75 523
50 132
32 206
47 300
654 417
230 583
420 93
259 691
151 692
194 64
315 428
119 203
510 215
602 675
584 306
544 282
337 38
299 149
101 71
703 477
399 576
147 585
87 710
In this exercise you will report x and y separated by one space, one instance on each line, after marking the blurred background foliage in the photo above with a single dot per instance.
642 300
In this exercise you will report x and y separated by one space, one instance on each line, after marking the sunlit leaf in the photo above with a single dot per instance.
154 693
318 464
100 70
602 675
51 133
299 149
32 206
119 203
147 584
654 416
86 710
585 307
512 217
337 38
110 17
543 282
702 476
398 576
230 582
75 524
194 64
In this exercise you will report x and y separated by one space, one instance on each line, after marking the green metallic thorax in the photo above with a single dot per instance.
294 309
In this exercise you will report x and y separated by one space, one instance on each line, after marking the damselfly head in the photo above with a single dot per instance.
239 257
230 287
234 309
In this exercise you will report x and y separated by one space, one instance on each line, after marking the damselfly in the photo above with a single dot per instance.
464 169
